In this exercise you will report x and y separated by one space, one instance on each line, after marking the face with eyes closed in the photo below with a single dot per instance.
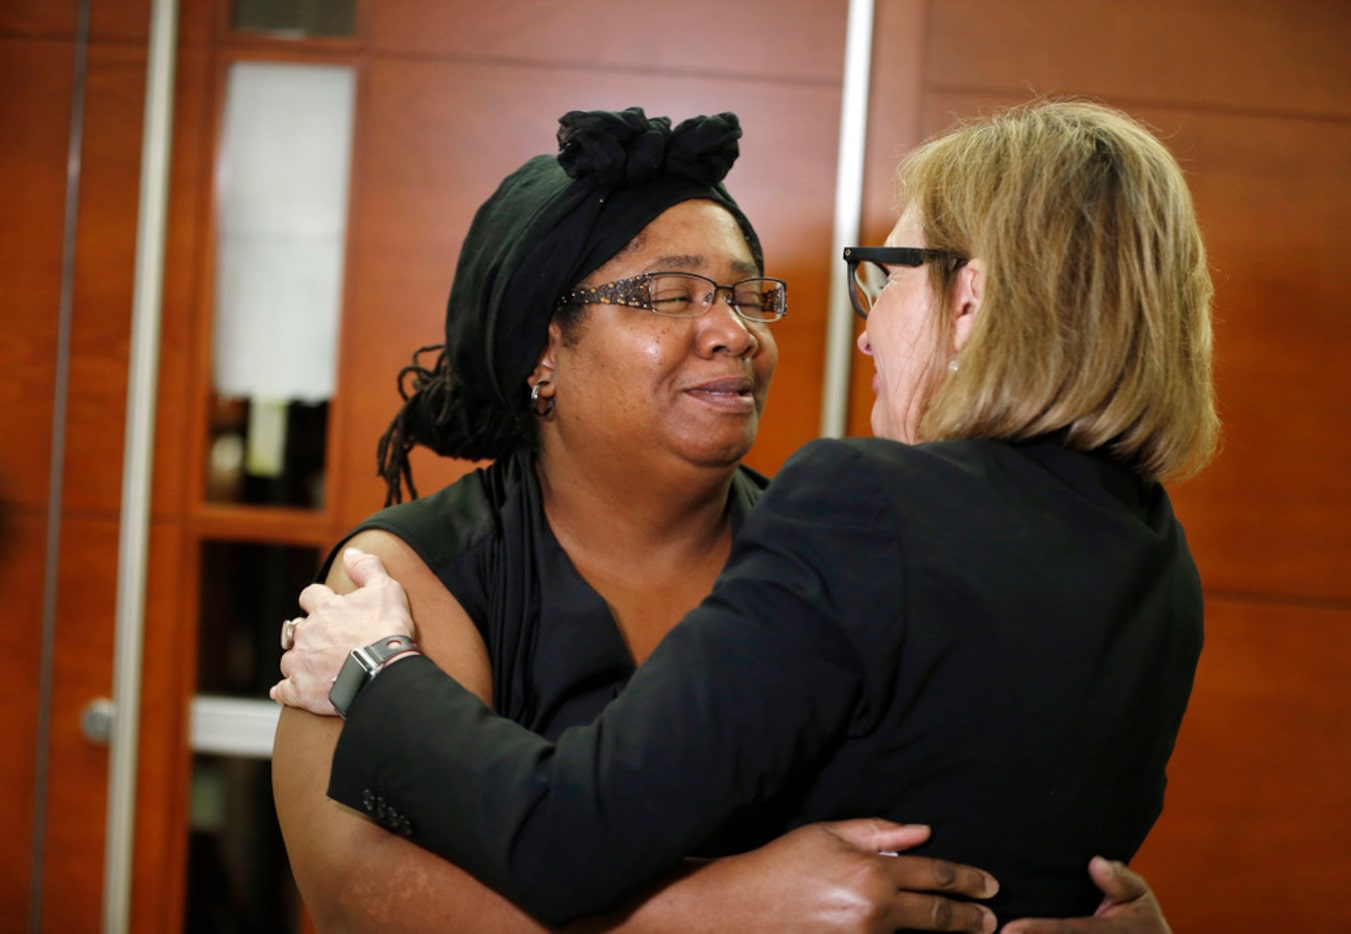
634 384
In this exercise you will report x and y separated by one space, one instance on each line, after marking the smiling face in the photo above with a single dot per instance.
900 336
630 384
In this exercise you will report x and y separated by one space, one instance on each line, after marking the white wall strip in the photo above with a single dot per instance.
848 209
137 464
229 726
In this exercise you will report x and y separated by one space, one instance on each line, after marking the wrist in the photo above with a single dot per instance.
364 664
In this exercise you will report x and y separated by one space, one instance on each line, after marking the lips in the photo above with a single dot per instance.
732 393
731 386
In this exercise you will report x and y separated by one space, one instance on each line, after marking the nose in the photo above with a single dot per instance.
864 345
722 330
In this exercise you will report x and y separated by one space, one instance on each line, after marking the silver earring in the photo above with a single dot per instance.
952 365
548 408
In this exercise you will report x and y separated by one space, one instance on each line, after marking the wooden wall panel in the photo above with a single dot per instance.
38 77
121 21
163 785
176 415
1259 793
1276 58
439 138
1272 515
22 540
76 810
38 18
756 38
37 123
105 265
38 70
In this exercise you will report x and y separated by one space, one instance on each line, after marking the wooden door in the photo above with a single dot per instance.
63 387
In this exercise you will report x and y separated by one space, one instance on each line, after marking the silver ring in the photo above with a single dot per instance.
288 634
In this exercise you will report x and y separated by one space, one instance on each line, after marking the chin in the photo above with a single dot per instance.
878 422
726 454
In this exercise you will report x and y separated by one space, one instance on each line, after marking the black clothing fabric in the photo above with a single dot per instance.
556 652
995 639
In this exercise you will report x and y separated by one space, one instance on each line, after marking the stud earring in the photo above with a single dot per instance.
952 365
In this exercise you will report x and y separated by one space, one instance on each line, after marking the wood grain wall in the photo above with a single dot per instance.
1255 99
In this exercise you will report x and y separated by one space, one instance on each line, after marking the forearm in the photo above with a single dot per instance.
352 875
394 886
570 829
705 897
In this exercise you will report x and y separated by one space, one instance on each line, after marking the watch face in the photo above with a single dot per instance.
362 665
350 680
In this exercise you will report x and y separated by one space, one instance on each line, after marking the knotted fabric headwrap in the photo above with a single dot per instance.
558 218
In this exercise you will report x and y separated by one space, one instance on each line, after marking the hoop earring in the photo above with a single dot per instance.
548 408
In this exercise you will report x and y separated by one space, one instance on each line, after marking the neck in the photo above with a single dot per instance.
610 516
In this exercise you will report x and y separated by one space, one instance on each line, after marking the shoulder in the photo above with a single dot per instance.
830 492
843 464
452 521
958 463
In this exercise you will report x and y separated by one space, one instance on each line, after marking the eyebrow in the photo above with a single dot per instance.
690 262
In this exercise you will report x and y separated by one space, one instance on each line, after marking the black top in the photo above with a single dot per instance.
994 639
556 662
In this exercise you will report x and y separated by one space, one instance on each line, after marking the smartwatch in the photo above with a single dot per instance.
361 666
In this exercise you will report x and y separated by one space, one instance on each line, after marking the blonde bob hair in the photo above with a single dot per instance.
1095 313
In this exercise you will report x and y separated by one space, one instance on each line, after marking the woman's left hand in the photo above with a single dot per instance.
336 624
848 876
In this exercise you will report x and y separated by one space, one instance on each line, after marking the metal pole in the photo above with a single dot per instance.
56 475
139 445
848 209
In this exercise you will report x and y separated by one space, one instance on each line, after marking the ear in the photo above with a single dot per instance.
968 291
544 366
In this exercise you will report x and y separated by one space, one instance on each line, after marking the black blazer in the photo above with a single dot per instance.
994 639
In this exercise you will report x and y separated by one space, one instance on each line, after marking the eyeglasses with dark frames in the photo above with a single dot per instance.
688 295
868 272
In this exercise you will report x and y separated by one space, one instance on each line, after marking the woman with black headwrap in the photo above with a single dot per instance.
542 581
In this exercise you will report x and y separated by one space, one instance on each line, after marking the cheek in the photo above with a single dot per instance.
645 355
767 359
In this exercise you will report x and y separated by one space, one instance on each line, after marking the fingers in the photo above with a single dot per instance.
1043 926
313 595
363 567
874 835
1072 926
288 692
916 911
1116 881
921 874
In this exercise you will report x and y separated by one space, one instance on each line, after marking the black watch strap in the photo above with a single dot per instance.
362 665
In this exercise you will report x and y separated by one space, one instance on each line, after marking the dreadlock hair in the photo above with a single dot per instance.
443 414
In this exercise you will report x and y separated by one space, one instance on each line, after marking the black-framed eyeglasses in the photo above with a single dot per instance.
688 295
868 272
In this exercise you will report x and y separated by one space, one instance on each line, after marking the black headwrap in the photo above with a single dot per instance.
557 218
